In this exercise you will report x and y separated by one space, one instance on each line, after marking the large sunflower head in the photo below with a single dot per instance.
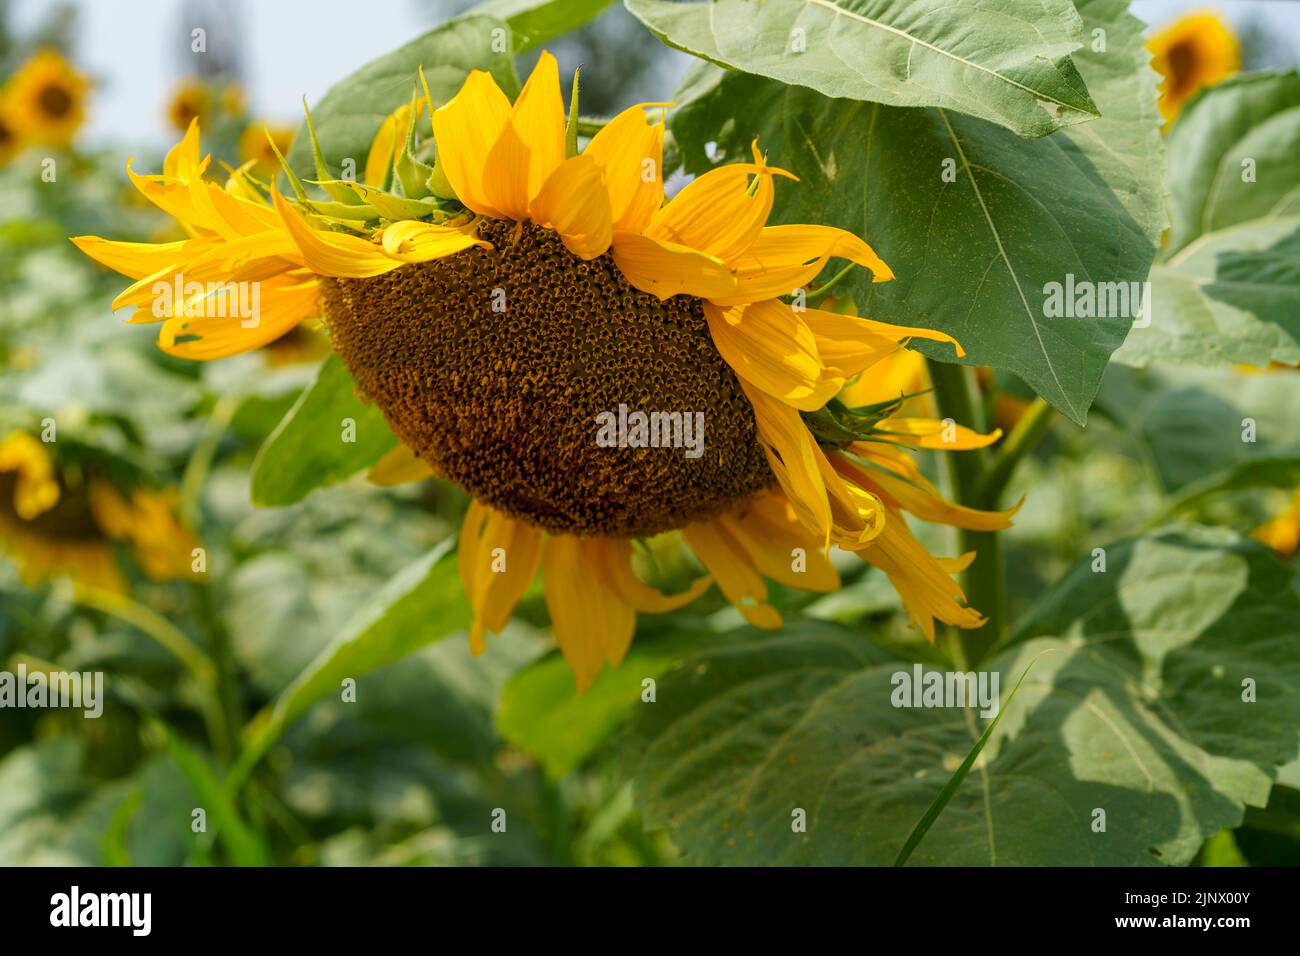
1193 52
46 99
62 519
591 363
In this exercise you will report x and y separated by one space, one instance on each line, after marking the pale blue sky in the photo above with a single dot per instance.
138 48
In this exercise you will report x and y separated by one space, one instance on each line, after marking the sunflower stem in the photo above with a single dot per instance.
985 580
1024 437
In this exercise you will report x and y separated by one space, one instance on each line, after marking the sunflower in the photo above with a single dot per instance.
46 99
1193 52
55 523
9 141
502 304
190 101
1282 533
255 146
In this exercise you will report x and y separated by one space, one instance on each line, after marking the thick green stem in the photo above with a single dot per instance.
1026 434
985 580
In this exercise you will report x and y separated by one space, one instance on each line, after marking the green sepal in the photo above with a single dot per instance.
322 170
412 173
571 127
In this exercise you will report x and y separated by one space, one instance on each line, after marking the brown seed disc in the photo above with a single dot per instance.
493 365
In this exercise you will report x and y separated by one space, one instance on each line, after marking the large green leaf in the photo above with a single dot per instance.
1137 711
534 22
898 52
314 446
543 714
973 255
1228 288
349 115
1250 117
421 605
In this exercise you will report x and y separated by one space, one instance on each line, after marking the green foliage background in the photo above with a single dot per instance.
1133 696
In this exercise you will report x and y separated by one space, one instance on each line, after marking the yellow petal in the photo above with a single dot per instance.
498 558
413 241
718 213
531 144
896 477
793 456
390 137
932 433
666 269
731 566
785 258
593 623
630 150
870 326
769 346
466 129
768 529
575 204
211 336
182 161
922 581
399 467
616 559
900 373
333 253
134 259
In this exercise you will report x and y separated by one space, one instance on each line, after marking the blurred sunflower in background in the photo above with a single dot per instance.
9 141
497 304
190 100
255 146
1193 52
45 100
1282 533
59 519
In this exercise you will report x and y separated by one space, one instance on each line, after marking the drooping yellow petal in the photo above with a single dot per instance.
593 623
334 253
665 269
769 530
769 346
530 146
922 581
221 330
897 479
399 467
782 259
465 130
414 241
134 259
718 213
731 566
498 558
630 151
793 456
616 558
942 435
844 324
575 204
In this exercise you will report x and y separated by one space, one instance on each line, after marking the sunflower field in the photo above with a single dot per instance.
668 432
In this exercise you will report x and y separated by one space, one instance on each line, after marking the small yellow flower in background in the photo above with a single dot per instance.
1193 52
1282 533
45 100
255 148
55 527
190 101
9 140
231 99
497 306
